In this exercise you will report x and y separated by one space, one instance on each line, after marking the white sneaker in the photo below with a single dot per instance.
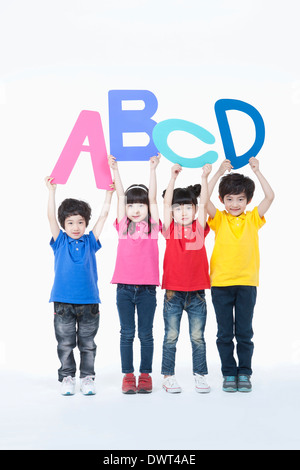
87 385
170 385
68 385
201 385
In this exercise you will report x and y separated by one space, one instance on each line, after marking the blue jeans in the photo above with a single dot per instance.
195 306
76 324
234 306
143 299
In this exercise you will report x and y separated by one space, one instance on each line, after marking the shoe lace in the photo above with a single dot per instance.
171 381
200 378
68 380
88 380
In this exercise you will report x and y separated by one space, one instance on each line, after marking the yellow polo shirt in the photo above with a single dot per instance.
235 257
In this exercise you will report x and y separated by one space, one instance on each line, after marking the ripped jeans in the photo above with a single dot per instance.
195 305
76 324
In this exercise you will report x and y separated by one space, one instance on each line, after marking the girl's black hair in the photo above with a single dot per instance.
71 207
187 195
235 183
137 193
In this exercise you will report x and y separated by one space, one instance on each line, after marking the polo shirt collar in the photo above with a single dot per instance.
234 217
73 240
142 224
190 228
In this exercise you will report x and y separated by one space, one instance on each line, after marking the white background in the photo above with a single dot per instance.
60 57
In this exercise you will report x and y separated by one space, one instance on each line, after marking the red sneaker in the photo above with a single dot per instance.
144 384
129 385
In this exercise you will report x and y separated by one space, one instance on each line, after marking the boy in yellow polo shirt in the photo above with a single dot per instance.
234 269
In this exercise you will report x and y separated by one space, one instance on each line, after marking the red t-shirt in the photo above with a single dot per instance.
185 265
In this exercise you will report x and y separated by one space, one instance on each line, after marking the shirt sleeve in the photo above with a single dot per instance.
156 227
119 226
167 233
200 233
58 242
203 232
259 221
95 244
215 222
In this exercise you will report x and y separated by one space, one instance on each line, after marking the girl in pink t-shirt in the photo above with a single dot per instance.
136 273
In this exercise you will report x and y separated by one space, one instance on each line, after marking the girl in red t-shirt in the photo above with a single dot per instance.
185 275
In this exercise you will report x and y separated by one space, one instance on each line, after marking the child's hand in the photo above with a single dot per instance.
51 186
112 162
112 186
225 166
254 164
206 169
175 170
154 161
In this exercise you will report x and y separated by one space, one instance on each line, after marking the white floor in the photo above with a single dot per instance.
35 416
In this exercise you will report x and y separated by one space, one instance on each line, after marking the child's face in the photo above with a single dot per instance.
184 214
75 226
137 211
235 204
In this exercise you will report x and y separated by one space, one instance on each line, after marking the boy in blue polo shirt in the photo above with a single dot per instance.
75 292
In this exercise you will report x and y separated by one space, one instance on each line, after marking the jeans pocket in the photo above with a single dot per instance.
151 290
169 295
60 309
172 302
200 294
88 311
94 310
120 287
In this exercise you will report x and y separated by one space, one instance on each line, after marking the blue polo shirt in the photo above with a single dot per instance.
75 269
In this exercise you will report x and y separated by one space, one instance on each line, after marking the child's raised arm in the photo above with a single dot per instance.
225 165
104 212
121 211
268 191
154 161
175 170
204 196
51 211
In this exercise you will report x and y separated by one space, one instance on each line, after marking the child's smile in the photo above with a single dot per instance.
235 204
136 212
75 226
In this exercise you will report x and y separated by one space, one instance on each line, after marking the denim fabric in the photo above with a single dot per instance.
234 306
143 299
76 324
195 305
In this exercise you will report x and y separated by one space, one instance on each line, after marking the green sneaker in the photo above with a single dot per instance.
230 383
244 384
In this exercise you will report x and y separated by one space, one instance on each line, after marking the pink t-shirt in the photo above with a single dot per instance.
137 255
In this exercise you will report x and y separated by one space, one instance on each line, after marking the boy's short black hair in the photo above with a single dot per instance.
187 195
73 207
235 183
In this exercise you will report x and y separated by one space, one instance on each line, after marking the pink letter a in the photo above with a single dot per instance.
88 125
